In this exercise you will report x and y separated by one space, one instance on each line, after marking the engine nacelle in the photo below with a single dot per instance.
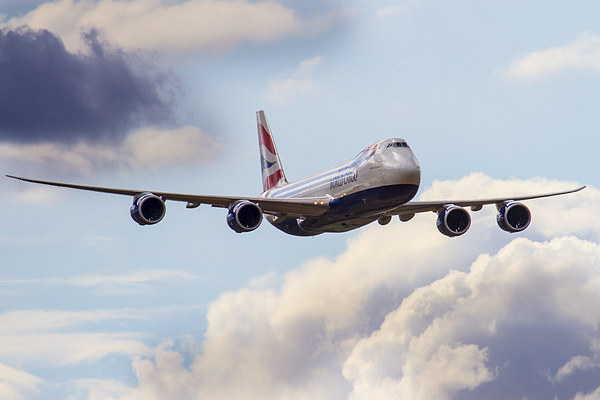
148 209
513 217
244 216
453 221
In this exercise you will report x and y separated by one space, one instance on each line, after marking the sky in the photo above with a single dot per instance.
495 99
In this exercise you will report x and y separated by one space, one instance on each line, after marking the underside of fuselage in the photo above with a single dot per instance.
348 212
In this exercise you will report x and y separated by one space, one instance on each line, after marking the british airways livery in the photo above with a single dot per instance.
376 185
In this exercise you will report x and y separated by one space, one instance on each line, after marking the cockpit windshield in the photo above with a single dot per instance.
397 144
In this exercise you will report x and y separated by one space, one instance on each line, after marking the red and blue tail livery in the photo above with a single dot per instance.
377 184
272 171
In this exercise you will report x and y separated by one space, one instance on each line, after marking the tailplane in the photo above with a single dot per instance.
272 171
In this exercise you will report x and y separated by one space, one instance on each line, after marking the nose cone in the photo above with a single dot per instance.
403 167
414 170
410 171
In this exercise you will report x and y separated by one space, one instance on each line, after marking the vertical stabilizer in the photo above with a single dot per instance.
272 171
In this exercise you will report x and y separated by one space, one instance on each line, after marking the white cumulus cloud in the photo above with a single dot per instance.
526 284
285 90
581 55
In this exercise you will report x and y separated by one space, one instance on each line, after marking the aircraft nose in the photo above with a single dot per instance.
411 170
412 173
403 167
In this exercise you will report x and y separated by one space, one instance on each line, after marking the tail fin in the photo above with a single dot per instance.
272 171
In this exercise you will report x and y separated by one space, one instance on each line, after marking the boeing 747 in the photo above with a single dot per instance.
376 185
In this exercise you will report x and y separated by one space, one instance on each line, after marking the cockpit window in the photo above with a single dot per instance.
397 144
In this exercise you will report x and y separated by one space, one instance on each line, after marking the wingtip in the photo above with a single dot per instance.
19 178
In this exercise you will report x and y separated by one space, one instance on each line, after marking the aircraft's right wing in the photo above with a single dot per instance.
292 207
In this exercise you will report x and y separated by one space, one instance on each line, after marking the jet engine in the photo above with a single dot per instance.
244 216
513 217
147 209
453 221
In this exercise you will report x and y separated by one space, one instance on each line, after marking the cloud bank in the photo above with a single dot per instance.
75 113
143 149
405 312
73 103
168 27
50 94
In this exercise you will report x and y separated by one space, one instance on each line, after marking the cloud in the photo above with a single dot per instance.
285 90
172 27
74 113
50 94
143 149
595 395
62 349
42 337
575 364
581 55
64 339
395 9
574 208
35 321
526 287
109 284
100 389
18 385
407 312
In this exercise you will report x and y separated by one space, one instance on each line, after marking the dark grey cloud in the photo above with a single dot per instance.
50 94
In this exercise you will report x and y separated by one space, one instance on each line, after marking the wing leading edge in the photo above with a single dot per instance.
292 207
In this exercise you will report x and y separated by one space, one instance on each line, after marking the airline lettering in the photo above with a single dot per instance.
351 174
343 179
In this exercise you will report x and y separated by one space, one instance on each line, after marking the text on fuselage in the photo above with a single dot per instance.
343 179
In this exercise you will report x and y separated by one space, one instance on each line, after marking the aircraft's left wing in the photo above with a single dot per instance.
414 207
292 207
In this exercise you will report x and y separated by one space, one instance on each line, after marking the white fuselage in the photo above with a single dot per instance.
381 177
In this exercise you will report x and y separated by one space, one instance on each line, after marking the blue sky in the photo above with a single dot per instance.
495 98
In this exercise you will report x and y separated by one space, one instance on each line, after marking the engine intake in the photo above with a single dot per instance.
148 209
513 217
244 216
453 221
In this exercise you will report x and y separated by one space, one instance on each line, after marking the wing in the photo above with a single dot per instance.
293 207
414 207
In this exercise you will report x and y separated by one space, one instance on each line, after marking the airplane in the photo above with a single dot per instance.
376 185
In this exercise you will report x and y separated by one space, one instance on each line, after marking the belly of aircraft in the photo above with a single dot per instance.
349 212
